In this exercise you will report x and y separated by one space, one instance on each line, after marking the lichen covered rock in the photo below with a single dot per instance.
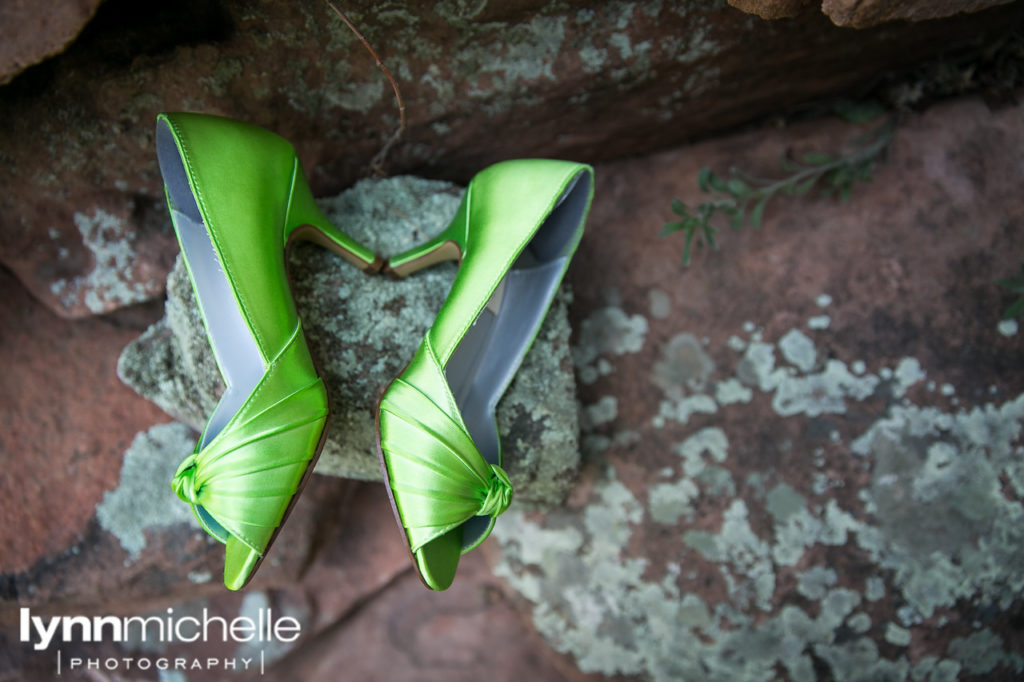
82 216
362 330
799 464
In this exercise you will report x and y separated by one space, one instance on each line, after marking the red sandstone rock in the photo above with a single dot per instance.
911 265
82 216
772 9
66 422
861 14
31 34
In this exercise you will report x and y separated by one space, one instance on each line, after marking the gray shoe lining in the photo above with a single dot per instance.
233 344
483 364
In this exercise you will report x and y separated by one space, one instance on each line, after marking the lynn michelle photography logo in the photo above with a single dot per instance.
50 633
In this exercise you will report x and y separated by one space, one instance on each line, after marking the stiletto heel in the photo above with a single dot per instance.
446 246
306 222
514 233
237 196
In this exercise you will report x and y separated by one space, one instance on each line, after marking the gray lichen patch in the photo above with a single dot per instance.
143 498
982 652
907 373
607 332
116 278
897 636
783 502
798 350
601 412
819 322
684 367
710 441
929 499
814 583
669 502
660 304
945 527
362 331
608 610
825 392
743 558
732 391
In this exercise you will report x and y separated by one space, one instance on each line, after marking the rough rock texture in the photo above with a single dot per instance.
65 422
362 331
82 221
30 36
861 14
772 9
803 458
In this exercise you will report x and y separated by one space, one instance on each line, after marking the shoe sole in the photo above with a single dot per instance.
387 481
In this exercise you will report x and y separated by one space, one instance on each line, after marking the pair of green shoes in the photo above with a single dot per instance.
237 197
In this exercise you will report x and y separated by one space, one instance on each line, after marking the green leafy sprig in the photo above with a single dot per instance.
1016 285
742 197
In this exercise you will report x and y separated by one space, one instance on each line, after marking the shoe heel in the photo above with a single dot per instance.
308 223
446 246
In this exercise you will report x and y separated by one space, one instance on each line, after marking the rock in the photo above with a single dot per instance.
66 422
140 548
82 217
772 9
861 14
31 36
409 633
362 331
763 495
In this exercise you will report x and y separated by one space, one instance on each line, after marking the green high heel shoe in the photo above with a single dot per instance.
517 228
237 197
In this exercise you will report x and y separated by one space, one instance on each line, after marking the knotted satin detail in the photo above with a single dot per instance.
184 481
241 482
499 493
438 478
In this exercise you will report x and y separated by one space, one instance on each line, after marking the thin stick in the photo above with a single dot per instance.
377 162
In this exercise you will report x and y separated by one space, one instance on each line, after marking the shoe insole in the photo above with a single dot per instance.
234 348
487 357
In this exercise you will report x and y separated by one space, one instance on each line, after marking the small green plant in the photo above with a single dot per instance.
742 197
1016 285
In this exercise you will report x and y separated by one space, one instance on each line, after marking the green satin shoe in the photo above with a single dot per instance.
517 228
237 197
